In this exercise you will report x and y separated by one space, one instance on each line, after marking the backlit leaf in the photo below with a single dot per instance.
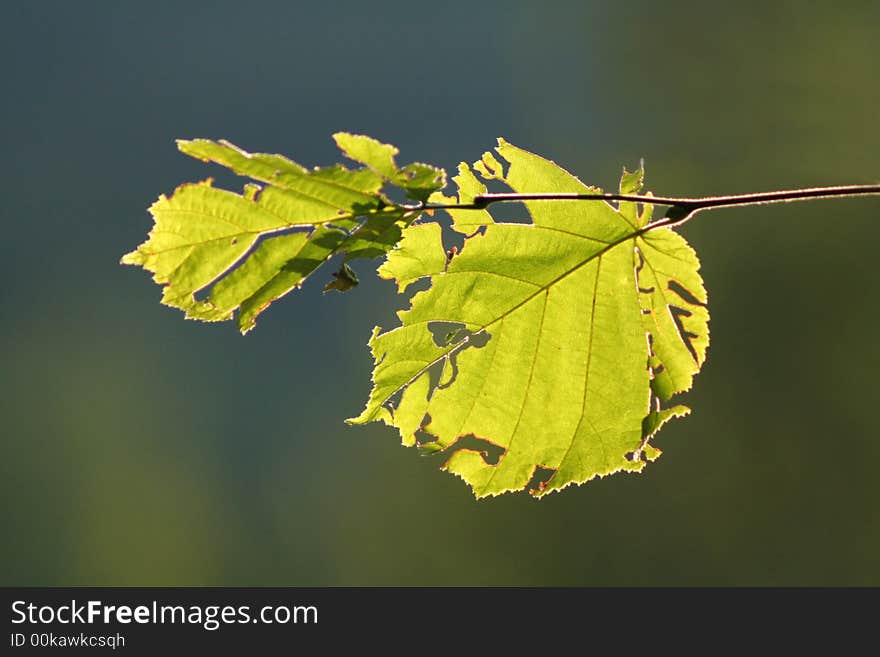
561 337
216 252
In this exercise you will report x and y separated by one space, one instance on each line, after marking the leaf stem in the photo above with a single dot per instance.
681 209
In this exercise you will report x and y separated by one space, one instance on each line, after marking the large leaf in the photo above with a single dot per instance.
216 252
542 339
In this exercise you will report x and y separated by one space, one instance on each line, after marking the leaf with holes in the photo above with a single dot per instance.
557 341
240 252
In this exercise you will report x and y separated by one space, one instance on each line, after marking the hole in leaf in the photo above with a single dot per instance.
684 293
479 339
481 230
449 238
452 239
510 213
448 333
540 477
307 266
490 452
419 285
686 336
444 332
639 267
455 335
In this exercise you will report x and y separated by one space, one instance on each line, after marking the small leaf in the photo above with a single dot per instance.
377 156
420 180
344 279
631 181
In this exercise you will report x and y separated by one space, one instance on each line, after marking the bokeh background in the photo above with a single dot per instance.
141 449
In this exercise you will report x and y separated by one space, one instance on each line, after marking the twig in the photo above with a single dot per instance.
680 209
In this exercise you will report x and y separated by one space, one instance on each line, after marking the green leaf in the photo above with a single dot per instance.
216 252
549 329
631 181
420 180
417 179
377 156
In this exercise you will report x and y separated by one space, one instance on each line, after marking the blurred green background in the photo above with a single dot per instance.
142 449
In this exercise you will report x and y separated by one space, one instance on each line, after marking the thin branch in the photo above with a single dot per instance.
681 209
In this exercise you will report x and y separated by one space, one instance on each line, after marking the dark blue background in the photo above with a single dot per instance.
139 448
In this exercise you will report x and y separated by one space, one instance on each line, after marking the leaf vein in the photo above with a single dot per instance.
522 406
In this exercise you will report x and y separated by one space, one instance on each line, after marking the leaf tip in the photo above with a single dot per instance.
192 148
340 138
132 258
